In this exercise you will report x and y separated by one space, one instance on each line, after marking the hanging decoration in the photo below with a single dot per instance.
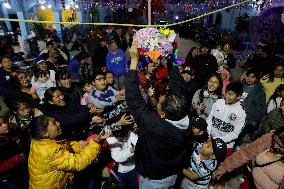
152 41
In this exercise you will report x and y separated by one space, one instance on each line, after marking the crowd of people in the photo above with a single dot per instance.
140 121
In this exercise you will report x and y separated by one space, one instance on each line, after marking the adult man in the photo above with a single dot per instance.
160 148
120 39
204 66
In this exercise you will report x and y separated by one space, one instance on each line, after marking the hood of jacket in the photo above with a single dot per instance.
181 124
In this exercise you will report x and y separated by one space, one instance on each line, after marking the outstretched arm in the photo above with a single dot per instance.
143 115
249 152
134 99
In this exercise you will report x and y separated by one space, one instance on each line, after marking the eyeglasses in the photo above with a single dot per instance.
100 78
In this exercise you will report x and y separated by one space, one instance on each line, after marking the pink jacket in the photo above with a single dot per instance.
248 153
225 81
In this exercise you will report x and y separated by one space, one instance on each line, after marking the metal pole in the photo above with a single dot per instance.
149 12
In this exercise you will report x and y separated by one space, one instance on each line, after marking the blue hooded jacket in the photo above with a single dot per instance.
117 63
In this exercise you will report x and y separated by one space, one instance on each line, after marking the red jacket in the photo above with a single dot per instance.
9 157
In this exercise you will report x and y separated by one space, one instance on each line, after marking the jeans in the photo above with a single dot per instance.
165 183
129 180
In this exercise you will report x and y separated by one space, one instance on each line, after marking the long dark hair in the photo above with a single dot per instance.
276 93
48 94
62 75
218 91
271 75
189 56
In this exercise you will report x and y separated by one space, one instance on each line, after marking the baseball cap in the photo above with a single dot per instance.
39 60
189 72
219 149
199 123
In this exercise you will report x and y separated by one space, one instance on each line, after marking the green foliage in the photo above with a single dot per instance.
242 23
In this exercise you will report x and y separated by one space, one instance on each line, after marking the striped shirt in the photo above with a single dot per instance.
203 168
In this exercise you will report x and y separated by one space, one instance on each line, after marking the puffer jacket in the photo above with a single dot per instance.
273 121
52 163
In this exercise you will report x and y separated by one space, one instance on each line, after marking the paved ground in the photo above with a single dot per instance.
184 46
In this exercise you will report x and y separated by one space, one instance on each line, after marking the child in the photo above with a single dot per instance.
116 63
87 88
12 158
204 161
41 84
110 79
199 129
253 101
191 85
204 98
225 75
227 117
276 98
22 115
102 95
122 147
218 55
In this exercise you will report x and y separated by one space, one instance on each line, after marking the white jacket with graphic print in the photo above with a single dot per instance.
226 121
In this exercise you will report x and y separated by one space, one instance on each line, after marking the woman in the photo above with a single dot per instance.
70 90
267 154
52 161
73 117
21 88
204 99
271 81
191 57
12 174
274 119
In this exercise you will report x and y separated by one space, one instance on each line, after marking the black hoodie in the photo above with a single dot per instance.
161 146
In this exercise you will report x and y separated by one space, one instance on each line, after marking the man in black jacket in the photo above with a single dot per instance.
120 39
204 66
160 149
